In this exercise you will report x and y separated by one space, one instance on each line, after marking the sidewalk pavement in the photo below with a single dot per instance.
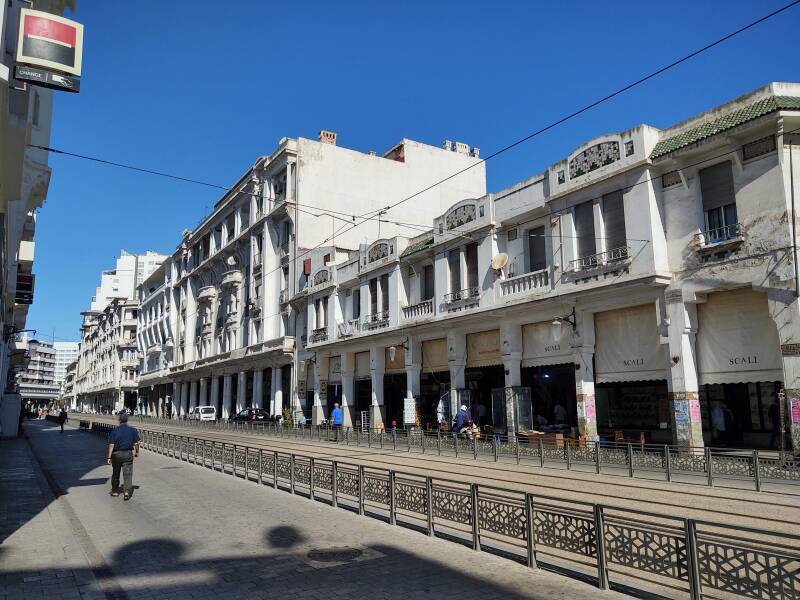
190 533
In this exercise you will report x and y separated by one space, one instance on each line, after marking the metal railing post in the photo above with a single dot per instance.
408 441
455 444
260 466
311 492
516 449
530 530
541 453
668 462
334 484
630 460
291 473
756 470
394 443
476 526
567 454
597 460
475 449
692 563
709 467
600 546
392 498
429 502
439 441
275 470
233 466
361 489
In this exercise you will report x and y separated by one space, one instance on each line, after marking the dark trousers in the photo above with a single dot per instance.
336 432
122 460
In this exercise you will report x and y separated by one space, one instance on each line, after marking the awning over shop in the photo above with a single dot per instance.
362 365
334 369
628 347
434 356
540 348
737 340
398 365
483 349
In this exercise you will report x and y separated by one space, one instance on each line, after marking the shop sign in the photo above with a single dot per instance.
681 412
795 410
694 409
49 41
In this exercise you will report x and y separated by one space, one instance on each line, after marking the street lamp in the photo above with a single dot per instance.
558 323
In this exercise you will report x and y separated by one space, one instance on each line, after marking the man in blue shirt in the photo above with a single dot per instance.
337 418
123 446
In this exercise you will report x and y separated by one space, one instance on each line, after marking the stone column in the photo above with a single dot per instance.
184 398
785 311
413 356
214 393
321 389
457 361
686 422
241 391
511 349
227 388
203 400
377 363
258 388
584 375
348 388
277 390
193 394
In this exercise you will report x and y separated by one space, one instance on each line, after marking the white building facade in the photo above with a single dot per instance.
37 384
108 365
121 281
66 354
226 322
643 288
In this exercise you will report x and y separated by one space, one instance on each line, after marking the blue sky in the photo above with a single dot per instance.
201 90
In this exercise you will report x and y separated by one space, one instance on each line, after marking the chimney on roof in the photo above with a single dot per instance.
327 137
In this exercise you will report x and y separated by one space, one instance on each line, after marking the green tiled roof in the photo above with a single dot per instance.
424 241
725 122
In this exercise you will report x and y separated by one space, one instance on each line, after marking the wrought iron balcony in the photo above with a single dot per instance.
420 309
600 259
462 298
529 282
319 335
728 233
283 250
348 328
376 320
283 297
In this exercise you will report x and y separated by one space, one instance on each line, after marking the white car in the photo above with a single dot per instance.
203 413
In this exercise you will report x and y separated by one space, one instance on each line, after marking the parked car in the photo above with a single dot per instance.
203 413
251 414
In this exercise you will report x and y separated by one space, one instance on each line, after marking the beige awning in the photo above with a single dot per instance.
362 365
737 340
434 356
483 349
540 348
335 369
628 347
398 365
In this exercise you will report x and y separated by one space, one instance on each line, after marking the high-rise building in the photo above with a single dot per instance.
37 385
66 353
121 281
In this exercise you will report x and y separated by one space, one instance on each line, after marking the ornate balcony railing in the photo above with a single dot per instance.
535 280
318 335
420 309
720 234
600 259
283 297
376 320
283 250
466 296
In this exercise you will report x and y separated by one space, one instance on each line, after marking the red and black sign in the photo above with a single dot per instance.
50 41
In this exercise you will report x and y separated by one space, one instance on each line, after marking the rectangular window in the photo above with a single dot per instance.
614 220
427 282
472 265
537 259
758 148
356 303
384 281
584 229
670 179
719 202
373 296
454 262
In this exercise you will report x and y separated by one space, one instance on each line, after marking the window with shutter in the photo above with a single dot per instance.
719 202
536 249
584 229
454 262
614 220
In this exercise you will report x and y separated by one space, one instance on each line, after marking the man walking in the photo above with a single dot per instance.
62 418
123 447
337 418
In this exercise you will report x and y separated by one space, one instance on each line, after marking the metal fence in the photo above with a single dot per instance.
614 546
705 466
